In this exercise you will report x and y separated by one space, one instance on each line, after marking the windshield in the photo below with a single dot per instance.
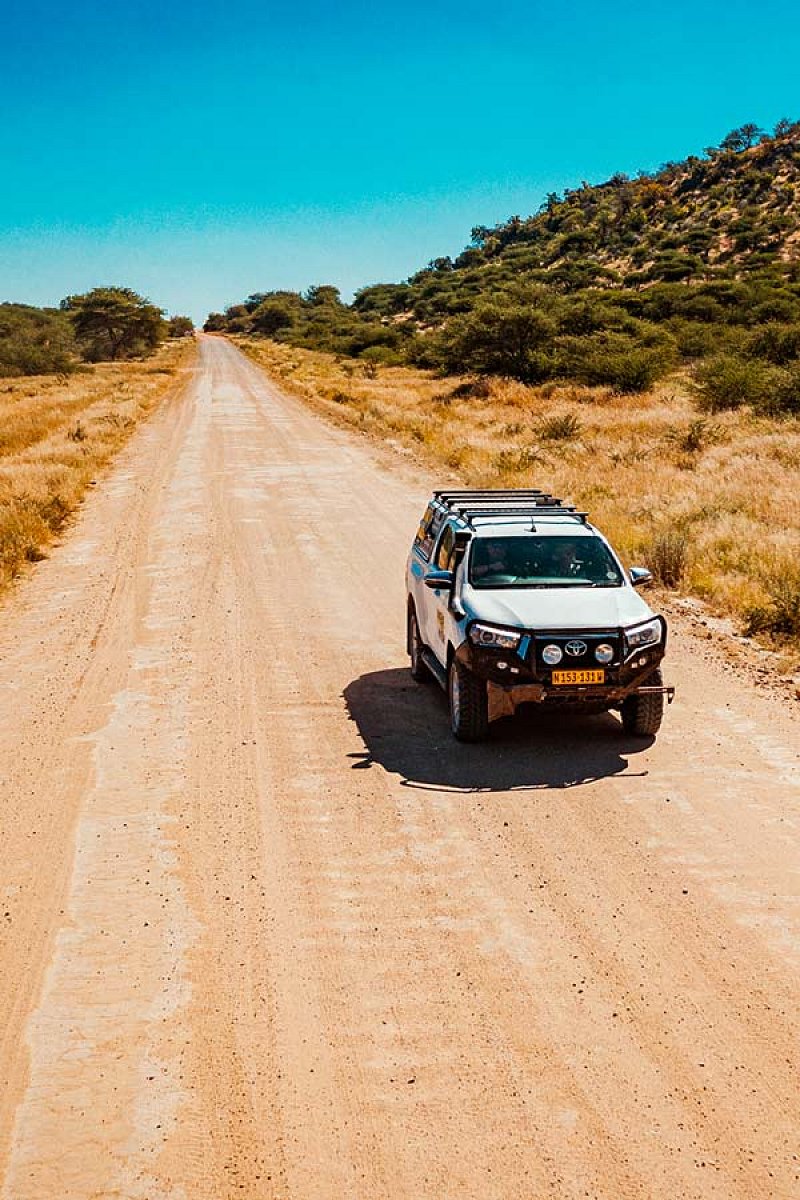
531 561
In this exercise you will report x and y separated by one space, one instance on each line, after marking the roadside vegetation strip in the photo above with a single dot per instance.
58 432
710 503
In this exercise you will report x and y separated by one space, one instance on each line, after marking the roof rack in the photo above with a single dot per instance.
510 502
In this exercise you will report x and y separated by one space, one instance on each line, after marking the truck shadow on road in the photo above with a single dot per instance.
405 729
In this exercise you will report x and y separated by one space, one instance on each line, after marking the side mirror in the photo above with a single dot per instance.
640 576
439 580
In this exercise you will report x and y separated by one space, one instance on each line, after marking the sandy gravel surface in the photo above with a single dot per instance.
267 931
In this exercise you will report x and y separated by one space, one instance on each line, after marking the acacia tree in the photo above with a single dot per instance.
115 322
742 138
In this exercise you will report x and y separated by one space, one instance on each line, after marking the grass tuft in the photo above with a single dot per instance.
780 611
560 427
666 553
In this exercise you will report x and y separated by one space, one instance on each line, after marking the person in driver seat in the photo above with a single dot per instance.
489 559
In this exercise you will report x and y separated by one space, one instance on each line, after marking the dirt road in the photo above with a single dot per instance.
267 931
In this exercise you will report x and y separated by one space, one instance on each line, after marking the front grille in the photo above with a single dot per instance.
584 661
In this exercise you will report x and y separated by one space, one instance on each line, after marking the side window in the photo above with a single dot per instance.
429 527
444 552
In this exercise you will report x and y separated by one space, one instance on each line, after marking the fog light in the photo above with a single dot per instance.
502 666
604 653
552 655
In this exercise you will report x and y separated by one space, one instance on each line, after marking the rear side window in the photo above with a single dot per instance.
428 531
444 553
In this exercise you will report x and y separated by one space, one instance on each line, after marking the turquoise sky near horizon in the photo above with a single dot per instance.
201 152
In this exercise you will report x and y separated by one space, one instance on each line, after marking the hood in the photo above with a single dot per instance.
557 608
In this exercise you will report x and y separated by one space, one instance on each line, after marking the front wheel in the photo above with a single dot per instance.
642 714
419 671
469 704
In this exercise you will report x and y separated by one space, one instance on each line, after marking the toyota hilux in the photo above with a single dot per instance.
514 597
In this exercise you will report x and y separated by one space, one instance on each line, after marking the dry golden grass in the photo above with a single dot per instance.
713 505
58 432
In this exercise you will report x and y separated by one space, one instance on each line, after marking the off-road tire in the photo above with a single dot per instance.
419 670
642 714
469 704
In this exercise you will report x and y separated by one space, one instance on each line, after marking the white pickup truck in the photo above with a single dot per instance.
513 597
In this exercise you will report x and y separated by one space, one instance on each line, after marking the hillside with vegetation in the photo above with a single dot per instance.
693 268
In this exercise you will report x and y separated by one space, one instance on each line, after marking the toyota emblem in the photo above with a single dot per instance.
575 649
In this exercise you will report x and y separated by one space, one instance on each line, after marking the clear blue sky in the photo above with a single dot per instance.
200 152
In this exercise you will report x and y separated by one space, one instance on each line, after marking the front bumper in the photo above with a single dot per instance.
524 673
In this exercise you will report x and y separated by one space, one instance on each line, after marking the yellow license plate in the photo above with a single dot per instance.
579 676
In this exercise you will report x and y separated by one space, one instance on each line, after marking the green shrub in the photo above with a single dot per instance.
35 341
178 327
499 339
778 343
383 356
727 381
616 360
785 399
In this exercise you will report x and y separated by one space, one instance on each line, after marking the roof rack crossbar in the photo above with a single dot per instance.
493 498
560 510
482 491
472 515
507 502
510 506
466 493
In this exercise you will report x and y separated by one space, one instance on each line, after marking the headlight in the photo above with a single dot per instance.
552 655
604 653
490 635
643 635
